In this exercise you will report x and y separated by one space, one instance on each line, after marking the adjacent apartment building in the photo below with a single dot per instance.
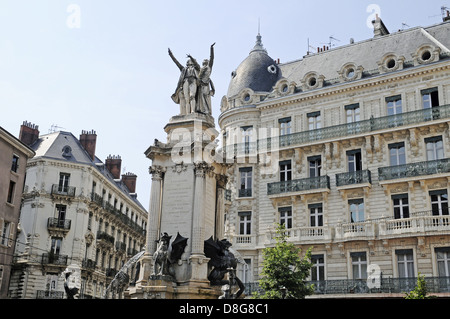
77 211
13 162
349 148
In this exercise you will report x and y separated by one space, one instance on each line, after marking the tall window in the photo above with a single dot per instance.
356 210
316 215
244 270
397 153
435 148
317 268
63 182
246 133
315 165
401 207
353 115
285 125
61 211
359 265
394 105
285 171
314 121
5 233
405 263
286 216
354 160
430 98
245 189
245 223
11 189
352 112
56 245
443 261
439 202
15 163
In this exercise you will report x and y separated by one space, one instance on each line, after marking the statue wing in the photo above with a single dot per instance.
214 252
178 246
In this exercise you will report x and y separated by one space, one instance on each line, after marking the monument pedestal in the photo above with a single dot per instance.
186 181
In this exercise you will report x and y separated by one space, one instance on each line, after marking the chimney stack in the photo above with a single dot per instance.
129 179
88 140
113 164
29 133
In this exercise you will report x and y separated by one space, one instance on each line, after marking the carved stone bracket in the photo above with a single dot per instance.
202 169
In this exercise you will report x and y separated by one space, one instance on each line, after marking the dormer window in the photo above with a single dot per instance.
67 151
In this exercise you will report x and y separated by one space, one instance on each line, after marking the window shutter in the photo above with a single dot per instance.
11 234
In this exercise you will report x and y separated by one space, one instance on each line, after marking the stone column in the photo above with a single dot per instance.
198 260
154 216
155 208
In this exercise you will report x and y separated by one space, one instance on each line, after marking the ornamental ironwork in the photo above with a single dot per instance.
298 185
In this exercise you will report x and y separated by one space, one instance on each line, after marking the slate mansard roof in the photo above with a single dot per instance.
366 57
64 146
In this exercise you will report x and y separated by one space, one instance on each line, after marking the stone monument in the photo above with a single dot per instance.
187 191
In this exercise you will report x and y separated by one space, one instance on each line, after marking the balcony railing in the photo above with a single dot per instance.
49 294
63 190
414 169
247 192
299 185
60 224
414 226
54 259
352 178
339 131
303 234
361 286
104 237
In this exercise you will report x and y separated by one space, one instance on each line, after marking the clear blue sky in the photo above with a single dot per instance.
103 65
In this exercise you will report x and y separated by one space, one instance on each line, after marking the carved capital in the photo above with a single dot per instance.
156 171
202 168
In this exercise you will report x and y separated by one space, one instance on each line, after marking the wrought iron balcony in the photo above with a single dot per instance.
49 294
361 286
351 178
414 169
60 190
105 238
54 259
340 131
58 224
245 192
299 185
96 198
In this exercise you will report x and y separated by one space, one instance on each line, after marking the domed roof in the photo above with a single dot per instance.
258 72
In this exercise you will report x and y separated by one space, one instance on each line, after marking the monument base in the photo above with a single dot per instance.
160 287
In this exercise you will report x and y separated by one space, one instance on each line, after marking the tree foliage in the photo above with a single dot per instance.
284 272
420 291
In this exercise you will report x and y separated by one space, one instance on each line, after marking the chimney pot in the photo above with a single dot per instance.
88 140
29 133
113 164
129 179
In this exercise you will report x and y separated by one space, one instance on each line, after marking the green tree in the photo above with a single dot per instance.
420 291
284 271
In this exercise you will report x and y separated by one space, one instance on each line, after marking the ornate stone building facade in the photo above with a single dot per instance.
77 212
349 149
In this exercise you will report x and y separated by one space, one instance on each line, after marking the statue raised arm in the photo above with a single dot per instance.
175 60
206 89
